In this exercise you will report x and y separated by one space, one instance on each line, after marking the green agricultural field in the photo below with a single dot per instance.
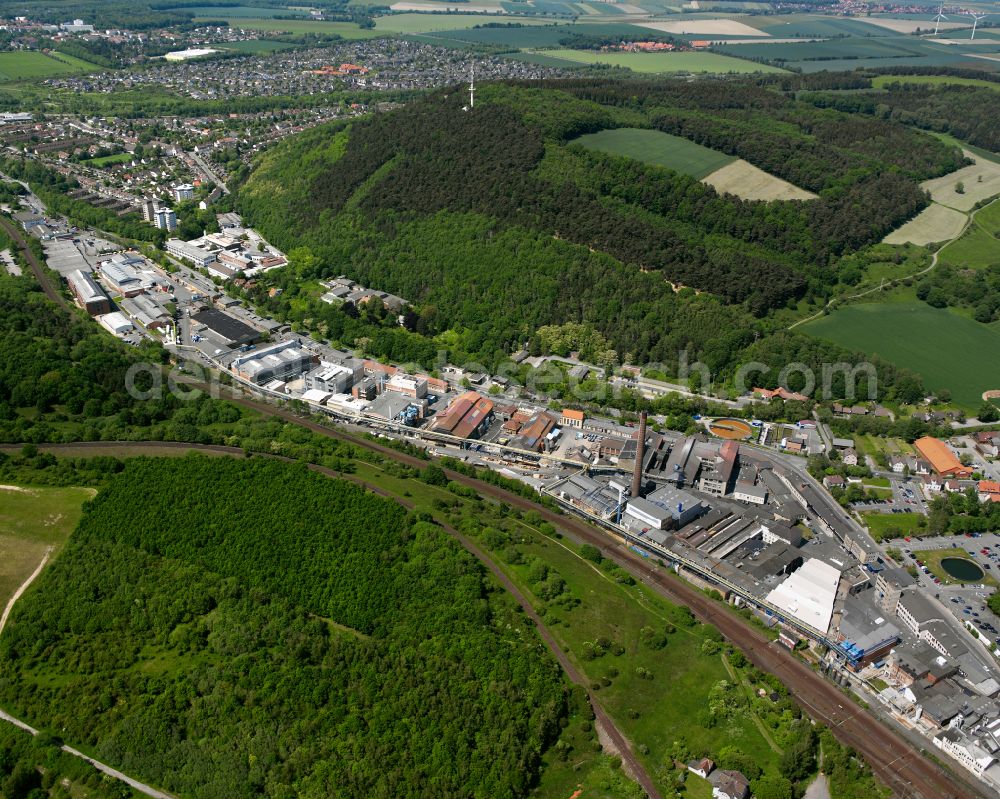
886 526
663 62
426 23
347 30
939 344
661 149
31 521
881 81
23 65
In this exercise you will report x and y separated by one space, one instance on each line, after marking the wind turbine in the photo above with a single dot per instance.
937 20
975 21
472 87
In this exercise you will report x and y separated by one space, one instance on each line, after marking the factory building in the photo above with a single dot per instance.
281 361
188 252
116 323
331 377
89 295
468 416
231 330
667 508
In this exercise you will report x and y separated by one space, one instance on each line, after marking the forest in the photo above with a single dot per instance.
966 112
256 629
493 223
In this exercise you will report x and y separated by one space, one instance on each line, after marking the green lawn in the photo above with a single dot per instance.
882 81
663 62
661 149
947 349
893 525
120 158
347 30
26 64
932 558
31 520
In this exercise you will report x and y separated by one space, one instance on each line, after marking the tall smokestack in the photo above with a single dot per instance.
640 451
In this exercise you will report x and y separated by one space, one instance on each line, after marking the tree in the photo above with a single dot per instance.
988 413
772 786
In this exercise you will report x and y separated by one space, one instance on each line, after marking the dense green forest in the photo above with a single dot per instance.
494 224
236 628
966 112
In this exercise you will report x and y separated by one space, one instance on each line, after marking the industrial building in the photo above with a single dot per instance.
330 377
120 272
231 330
189 252
281 361
413 387
667 508
716 479
808 594
116 323
89 295
468 416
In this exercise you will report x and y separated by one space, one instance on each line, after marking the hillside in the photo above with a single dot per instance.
249 628
493 223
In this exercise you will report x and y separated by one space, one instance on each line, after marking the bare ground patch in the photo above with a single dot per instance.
750 183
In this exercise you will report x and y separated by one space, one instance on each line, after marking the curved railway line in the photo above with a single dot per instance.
895 760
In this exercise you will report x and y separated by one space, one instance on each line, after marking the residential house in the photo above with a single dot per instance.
729 785
850 457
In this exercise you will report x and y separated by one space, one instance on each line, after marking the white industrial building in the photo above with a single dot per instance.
116 323
808 594
330 377
188 252
281 361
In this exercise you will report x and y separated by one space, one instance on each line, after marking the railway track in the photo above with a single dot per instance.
895 760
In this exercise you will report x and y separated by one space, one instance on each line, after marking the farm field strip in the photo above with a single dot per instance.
663 62
935 223
750 183
978 182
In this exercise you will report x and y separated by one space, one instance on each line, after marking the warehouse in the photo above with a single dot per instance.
226 327
116 323
89 295
808 594
468 416
942 460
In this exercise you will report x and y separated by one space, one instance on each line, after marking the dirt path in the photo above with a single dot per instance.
23 587
970 218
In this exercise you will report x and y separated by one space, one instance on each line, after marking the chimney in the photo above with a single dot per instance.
640 451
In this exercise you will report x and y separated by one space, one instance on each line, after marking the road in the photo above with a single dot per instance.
899 763
209 172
